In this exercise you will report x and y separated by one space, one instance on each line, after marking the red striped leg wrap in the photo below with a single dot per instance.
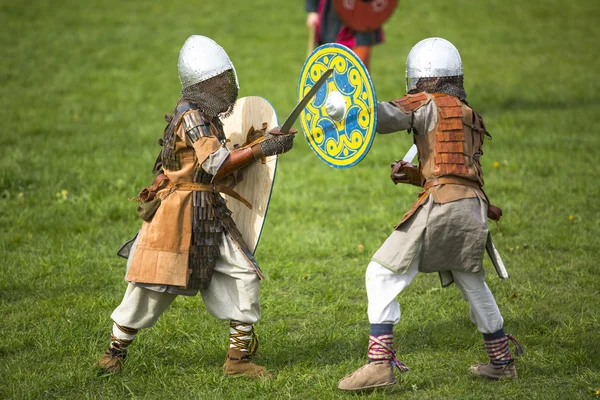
380 348
499 352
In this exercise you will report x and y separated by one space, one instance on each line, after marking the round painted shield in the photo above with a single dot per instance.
364 15
339 122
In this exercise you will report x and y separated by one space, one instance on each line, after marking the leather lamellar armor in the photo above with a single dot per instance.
454 146
210 215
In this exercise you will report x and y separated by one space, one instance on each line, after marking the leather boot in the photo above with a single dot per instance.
111 361
239 363
371 375
495 372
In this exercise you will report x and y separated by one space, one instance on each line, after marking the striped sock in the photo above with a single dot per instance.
242 337
381 342
497 348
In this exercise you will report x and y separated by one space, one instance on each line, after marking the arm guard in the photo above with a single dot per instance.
270 145
238 159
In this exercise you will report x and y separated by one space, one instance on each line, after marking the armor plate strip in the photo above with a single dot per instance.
447 101
450 137
451 124
449 112
195 126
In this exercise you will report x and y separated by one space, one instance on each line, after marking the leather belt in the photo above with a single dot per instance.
209 187
452 180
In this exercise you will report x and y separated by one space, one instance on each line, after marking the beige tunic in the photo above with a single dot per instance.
162 253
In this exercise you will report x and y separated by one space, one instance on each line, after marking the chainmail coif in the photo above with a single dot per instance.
450 85
215 96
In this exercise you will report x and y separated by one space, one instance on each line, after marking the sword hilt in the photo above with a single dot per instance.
277 131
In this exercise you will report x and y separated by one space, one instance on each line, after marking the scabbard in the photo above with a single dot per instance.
495 258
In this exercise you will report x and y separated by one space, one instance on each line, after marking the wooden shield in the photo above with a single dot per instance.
364 15
257 178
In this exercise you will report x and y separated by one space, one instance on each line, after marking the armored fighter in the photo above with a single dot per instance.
189 241
446 230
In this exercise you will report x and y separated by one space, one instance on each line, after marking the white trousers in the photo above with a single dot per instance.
384 285
232 293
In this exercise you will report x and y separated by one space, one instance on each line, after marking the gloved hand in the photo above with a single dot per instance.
277 143
405 172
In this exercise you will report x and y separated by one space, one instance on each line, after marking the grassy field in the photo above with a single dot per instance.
84 88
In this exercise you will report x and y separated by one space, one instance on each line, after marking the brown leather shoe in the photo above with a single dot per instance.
239 363
111 361
371 375
495 372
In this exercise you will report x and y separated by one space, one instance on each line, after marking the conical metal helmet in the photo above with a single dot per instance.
432 57
201 58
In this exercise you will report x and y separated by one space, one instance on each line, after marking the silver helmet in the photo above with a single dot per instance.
201 58
432 57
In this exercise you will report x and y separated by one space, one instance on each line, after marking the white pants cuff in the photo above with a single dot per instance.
384 285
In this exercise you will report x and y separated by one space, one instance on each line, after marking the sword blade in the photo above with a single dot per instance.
285 128
410 154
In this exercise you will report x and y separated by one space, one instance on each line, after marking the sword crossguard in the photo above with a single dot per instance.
277 131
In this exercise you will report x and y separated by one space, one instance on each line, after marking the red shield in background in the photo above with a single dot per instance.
364 15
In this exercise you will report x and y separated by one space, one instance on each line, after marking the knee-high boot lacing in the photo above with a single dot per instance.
113 357
121 338
243 343
242 337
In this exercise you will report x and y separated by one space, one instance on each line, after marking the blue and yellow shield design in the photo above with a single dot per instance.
339 122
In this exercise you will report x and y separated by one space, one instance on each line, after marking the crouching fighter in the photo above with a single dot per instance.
188 241
446 230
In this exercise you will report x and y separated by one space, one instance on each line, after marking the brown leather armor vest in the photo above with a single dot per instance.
453 147
449 153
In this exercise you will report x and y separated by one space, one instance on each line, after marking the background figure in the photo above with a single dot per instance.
323 19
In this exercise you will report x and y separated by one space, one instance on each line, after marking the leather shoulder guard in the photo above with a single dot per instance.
195 126
167 157
412 102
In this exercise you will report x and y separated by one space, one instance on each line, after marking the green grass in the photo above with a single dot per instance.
84 88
